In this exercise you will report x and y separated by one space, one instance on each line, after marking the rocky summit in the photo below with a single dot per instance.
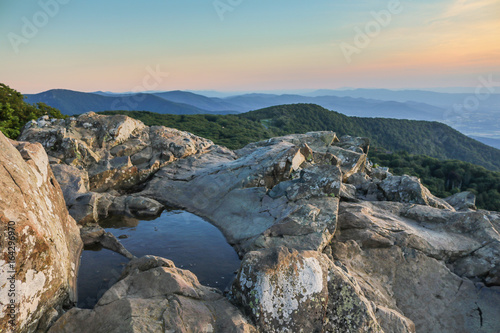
328 242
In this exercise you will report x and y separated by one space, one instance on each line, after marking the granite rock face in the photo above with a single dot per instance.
285 290
438 268
44 239
155 296
95 154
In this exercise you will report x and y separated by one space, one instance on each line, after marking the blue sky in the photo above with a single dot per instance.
253 45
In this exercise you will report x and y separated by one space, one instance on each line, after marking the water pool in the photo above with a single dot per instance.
188 240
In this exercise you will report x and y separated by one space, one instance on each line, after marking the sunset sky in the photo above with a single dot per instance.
247 45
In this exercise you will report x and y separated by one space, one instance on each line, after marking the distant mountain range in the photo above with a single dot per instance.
487 99
488 141
182 102
480 121
73 102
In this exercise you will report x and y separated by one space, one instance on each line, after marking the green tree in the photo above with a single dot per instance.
15 112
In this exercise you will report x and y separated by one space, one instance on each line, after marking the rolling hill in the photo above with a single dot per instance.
200 101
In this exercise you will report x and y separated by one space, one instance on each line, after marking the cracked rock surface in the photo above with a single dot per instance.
40 241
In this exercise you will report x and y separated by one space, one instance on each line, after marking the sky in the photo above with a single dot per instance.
247 45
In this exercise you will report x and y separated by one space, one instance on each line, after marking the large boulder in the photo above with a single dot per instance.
155 296
44 239
285 290
381 185
431 265
462 201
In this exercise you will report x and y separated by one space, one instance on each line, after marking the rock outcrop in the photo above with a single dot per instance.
40 241
431 265
100 159
329 244
280 192
285 194
153 295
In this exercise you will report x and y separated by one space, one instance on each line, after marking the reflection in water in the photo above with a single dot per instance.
186 239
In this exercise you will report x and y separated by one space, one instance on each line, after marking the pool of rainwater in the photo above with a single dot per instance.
188 240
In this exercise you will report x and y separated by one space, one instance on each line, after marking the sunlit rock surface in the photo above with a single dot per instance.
44 239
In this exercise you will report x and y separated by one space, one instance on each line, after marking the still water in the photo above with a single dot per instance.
188 240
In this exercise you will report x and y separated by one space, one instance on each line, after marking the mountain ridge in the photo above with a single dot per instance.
72 102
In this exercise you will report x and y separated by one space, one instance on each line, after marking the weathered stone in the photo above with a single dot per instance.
94 234
361 145
265 185
144 156
404 256
102 146
155 296
33 215
351 162
84 208
462 201
387 266
285 290
380 173
135 206
410 190
73 181
348 310
282 290
348 192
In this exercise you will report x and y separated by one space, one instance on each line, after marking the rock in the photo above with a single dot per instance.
267 185
94 234
128 205
109 241
72 180
351 162
102 146
462 201
84 208
102 154
138 206
361 145
91 234
409 189
380 173
348 192
329 243
404 256
155 296
385 186
47 241
285 290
